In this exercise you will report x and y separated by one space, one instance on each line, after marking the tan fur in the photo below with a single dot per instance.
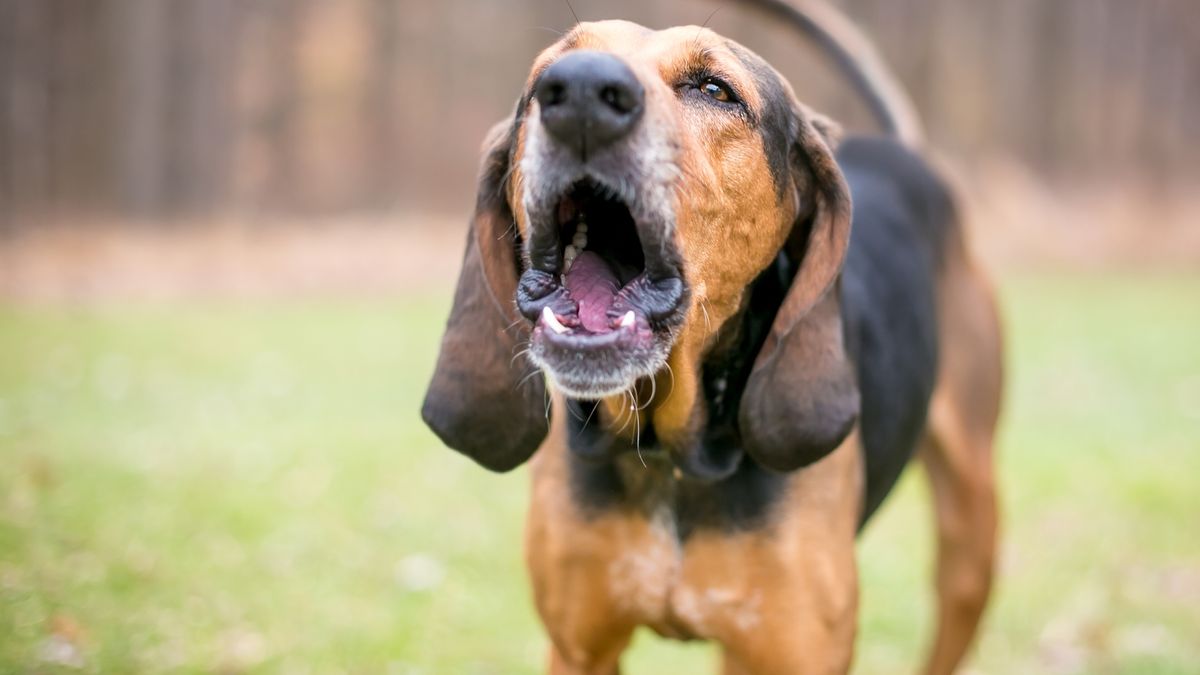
957 455
779 600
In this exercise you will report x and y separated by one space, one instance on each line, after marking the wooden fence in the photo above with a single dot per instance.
184 107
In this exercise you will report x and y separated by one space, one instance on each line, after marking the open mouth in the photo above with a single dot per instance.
603 303
597 264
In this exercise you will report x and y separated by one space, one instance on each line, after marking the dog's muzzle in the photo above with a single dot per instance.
605 288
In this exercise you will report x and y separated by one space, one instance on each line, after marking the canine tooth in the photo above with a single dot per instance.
580 240
628 319
552 321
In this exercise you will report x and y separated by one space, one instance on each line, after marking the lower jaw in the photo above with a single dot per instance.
592 392
588 386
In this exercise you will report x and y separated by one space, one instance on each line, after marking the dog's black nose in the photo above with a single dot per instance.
589 100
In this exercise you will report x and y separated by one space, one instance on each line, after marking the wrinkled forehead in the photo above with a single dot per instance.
672 53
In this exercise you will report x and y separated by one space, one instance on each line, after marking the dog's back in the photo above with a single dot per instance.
924 334
902 214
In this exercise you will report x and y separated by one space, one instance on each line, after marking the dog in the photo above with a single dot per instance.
721 332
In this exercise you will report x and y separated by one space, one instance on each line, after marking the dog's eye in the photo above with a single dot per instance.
716 90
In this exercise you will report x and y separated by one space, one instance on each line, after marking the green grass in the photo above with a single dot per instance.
232 486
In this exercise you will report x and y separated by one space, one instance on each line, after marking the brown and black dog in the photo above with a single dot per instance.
734 371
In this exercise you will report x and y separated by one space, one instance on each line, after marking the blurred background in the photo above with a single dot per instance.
228 234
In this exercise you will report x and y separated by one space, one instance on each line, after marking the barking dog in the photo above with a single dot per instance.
721 369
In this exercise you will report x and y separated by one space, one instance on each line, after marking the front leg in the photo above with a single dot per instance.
596 576
588 629
783 599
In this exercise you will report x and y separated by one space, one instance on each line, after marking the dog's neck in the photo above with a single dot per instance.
610 471
609 430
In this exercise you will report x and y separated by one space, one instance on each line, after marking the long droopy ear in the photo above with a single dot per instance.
480 401
802 399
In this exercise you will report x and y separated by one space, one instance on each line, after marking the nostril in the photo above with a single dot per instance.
555 94
618 97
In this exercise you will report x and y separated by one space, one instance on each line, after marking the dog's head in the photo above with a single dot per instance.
645 181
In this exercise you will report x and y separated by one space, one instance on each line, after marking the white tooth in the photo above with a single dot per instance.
581 227
627 320
569 254
580 240
552 321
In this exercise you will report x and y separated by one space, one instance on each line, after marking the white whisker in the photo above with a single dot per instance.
629 416
525 379
595 407
648 401
571 411
518 355
637 430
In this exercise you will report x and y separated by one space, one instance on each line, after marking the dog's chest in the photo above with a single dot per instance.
682 587
683 591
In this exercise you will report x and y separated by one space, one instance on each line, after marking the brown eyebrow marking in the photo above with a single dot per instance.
704 63
697 61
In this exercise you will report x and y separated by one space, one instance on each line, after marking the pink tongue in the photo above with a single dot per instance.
594 286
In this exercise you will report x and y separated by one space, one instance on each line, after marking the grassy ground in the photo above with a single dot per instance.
229 487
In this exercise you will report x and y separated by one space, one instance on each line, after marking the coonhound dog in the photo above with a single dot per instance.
718 369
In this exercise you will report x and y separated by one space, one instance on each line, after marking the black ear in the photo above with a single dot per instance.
480 401
802 400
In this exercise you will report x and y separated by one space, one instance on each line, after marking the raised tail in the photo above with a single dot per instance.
857 59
